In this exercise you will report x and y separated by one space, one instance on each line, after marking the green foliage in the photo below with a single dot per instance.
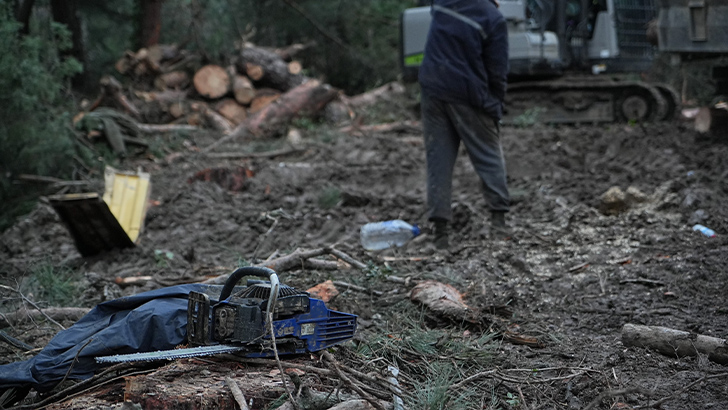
101 18
35 137
329 197
357 43
512 399
529 118
54 286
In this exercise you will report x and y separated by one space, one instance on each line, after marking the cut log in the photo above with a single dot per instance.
212 81
254 71
231 110
306 100
243 89
675 343
177 109
126 62
163 97
712 120
303 101
111 94
295 67
172 80
276 74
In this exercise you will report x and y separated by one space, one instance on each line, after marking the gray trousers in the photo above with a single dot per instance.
445 125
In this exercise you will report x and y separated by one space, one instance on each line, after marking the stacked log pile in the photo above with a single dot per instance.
257 94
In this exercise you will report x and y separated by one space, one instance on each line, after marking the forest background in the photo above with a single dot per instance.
53 52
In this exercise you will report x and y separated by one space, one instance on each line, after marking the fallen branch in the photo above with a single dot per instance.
357 288
643 281
399 127
133 280
673 342
614 393
354 386
242 155
370 97
237 393
658 403
30 302
18 344
55 314
346 258
56 182
152 128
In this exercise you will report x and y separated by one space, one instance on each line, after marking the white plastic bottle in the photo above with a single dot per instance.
704 230
376 236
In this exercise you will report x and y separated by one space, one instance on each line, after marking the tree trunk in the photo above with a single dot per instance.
304 100
307 99
150 22
23 10
66 12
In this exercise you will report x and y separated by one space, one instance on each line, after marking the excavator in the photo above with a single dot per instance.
578 61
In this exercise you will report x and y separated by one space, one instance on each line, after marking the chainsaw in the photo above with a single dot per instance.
240 322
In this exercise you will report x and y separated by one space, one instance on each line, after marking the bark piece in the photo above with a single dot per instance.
324 291
674 343
212 81
443 300
231 110
262 98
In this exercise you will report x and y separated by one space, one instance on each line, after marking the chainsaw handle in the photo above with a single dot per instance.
259 271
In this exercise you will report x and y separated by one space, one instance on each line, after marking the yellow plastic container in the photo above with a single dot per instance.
127 195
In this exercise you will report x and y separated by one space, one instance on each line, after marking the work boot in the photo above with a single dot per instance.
440 240
498 227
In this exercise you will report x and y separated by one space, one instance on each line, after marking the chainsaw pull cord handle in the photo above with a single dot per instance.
259 271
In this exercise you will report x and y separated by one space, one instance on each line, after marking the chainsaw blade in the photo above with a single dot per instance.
169 354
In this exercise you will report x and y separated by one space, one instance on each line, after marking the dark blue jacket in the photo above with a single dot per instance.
466 55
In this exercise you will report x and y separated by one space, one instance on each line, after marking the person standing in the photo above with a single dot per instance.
463 81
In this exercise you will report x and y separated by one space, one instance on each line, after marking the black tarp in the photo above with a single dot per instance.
149 321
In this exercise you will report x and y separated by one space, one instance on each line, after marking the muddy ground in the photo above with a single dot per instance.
571 274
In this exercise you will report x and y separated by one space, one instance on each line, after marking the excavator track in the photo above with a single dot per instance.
573 101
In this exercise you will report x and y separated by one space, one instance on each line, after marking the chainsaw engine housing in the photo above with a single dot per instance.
301 323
